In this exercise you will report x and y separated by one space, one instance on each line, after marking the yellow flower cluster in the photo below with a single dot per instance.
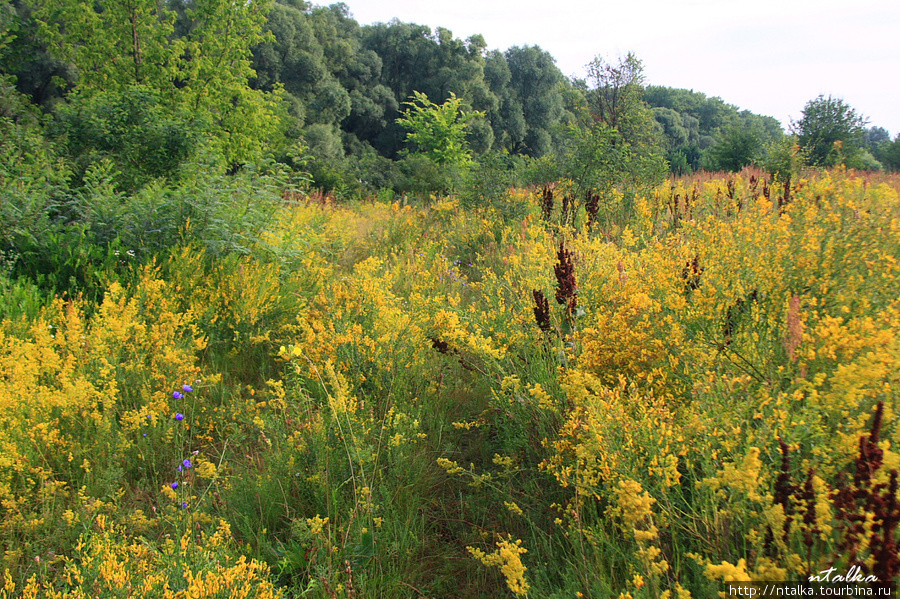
110 565
507 558
723 318
743 478
78 393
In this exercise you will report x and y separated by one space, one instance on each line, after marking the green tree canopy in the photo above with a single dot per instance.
830 131
195 56
616 96
415 58
531 105
719 135
735 149
615 100
619 145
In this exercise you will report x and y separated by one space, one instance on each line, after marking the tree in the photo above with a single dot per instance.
616 101
876 136
131 128
415 58
195 56
25 57
619 148
681 137
531 104
719 135
878 143
617 90
439 132
737 148
830 131
889 154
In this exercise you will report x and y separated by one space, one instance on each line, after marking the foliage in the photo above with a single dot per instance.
488 184
438 136
831 132
438 132
739 147
205 71
784 158
298 71
617 151
878 143
702 132
615 97
356 78
531 102
221 385
889 154
415 58
132 129
76 243
599 161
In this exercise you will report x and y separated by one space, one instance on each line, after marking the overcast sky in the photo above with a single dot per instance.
766 56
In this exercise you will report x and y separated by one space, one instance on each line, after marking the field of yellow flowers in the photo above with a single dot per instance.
681 388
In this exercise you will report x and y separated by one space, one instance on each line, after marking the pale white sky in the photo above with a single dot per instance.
766 56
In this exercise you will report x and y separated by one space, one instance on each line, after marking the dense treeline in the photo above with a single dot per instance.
298 72
347 84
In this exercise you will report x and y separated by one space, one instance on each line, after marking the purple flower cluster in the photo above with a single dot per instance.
186 463
184 389
180 395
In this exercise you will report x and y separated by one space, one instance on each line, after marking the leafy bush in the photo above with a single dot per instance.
143 140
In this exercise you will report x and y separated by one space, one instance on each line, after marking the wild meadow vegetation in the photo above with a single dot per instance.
425 401
281 316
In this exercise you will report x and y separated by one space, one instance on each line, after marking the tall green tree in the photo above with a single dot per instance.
531 105
619 145
736 148
830 131
114 45
878 143
617 91
195 56
615 99
415 58
681 138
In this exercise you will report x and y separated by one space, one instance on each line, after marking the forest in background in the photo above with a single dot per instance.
321 79
293 307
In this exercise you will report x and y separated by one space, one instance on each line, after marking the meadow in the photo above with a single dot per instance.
640 396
